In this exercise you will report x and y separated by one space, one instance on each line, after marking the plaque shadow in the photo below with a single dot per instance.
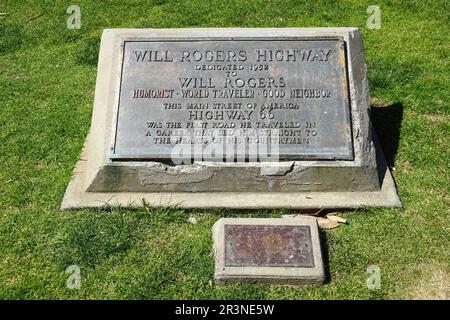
325 255
387 121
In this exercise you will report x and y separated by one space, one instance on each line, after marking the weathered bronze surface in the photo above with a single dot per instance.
290 92
268 245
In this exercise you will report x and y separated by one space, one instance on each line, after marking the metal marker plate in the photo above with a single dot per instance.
176 92
268 246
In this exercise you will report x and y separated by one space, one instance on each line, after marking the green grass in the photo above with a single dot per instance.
47 82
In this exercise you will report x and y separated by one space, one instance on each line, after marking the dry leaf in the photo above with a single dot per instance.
337 219
327 223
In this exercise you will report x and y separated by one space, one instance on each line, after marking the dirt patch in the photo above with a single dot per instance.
436 119
433 285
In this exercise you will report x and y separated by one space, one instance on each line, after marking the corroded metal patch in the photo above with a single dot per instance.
268 246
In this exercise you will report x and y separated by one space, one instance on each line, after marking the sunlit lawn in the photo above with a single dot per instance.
47 82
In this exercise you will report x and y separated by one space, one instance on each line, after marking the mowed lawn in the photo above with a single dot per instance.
47 82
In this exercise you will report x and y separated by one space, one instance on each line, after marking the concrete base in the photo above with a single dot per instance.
76 196
259 238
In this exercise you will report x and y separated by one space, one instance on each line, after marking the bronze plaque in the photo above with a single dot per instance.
288 94
268 246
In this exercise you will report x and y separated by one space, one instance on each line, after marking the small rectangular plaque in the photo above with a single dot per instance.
281 250
268 246
243 92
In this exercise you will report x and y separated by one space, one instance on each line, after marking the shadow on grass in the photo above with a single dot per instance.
387 121
325 255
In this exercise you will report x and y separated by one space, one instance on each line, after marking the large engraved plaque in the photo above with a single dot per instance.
288 91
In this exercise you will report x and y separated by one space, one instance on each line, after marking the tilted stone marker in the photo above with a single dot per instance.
273 250
239 118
